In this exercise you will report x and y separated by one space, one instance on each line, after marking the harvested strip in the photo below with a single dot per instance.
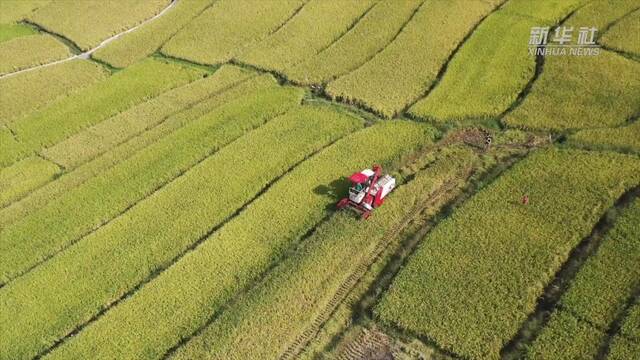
376 29
548 12
157 231
402 72
12 31
496 73
65 183
603 98
597 295
26 93
478 274
103 136
302 285
623 36
203 280
50 229
87 23
227 27
14 11
302 37
624 138
102 100
143 42
23 176
28 51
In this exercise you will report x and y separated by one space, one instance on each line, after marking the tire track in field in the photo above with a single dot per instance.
445 65
152 192
361 269
125 140
78 54
169 264
616 325
549 301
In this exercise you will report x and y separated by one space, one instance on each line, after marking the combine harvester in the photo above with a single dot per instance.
367 191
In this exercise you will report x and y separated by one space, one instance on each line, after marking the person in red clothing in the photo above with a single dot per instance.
525 200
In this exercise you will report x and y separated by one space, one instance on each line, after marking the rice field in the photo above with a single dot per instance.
170 172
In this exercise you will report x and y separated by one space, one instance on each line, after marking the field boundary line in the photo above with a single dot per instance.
169 264
616 325
549 300
361 269
129 207
75 48
68 172
353 24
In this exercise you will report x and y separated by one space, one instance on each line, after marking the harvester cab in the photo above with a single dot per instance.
368 190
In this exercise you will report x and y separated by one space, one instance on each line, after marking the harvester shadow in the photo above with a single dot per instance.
336 190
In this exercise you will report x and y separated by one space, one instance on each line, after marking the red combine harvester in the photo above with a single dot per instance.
367 190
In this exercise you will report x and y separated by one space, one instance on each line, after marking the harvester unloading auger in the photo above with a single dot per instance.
368 190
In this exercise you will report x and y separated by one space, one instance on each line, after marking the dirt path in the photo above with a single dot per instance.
87 54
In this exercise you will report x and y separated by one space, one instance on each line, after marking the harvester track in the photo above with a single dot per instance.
361 269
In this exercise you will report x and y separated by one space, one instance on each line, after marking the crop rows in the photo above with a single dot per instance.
206 278
87 23
301 37
102 163
301 286
569 94
42 233
102 100
597 295
26 93
369 36
548 13
227 27
95 140
402 72
28 51
479 273
23 176
621 36
626 344
155 232
624 138
144 41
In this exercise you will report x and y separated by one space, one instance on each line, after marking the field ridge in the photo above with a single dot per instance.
616 325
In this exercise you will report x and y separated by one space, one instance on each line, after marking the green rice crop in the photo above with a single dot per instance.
376 29
100 164
10 146
95 140
203 280
150 235
623 36
303 284
11 31
227 27
14 11
23 176
144 41
87 23
28 51
623 349
624 138
631 325
478 274
100 101
302 37
403 71
496 72
547 12
104 197
603 98
597 294
28 92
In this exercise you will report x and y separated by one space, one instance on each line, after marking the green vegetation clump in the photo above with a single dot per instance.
301 38
369 36
87 23
407 67
136 45
169 222
478 274
31 91
12 31
227 27
29 51
24 176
